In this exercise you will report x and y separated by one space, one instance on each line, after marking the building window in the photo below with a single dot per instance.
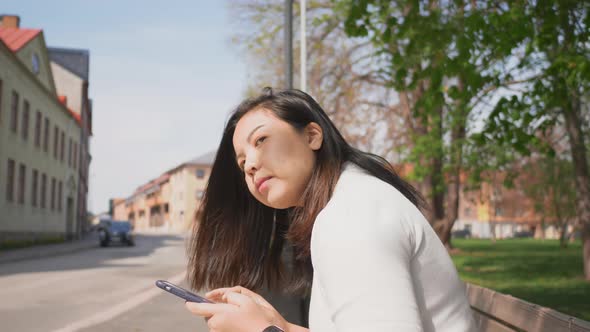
43 190
62 146
75 155
52 194
70 152
55 142
200 173
22 174
10 181
35 63
34 187
38 129
14 112
46 136
25 121
59 195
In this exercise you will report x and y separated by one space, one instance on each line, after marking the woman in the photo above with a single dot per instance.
284 174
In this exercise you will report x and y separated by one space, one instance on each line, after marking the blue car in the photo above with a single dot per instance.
115 230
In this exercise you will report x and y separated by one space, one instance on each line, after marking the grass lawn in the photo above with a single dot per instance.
537 271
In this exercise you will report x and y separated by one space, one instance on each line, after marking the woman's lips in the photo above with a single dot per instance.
261 182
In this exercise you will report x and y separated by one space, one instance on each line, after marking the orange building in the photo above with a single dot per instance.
492 210
170 201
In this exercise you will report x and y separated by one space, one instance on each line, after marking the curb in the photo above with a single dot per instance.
47 250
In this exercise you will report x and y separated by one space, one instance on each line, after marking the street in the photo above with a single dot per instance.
98 289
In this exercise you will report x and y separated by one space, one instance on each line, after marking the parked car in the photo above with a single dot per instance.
461 234
115 230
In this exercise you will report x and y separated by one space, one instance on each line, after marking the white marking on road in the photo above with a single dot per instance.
118 309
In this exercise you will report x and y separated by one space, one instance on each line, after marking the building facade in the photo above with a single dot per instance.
38 175
495 211
169 202
71 68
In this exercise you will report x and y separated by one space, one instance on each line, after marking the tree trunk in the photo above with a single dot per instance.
559 222
573 120
438 191
444 231
456 155
563 235
576 141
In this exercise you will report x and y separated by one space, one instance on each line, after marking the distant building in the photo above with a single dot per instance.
494 211
170 201
39 176
71 68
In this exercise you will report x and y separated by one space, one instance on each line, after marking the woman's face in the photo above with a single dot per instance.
277 159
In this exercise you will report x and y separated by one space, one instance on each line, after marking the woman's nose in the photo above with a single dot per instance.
251 165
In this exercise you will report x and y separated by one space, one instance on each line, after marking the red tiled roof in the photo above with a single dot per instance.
76 116
15 38
161 179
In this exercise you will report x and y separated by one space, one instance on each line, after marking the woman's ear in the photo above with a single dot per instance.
315 135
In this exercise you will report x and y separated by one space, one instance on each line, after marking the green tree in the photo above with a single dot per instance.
527 61
550 184
441 53
558 49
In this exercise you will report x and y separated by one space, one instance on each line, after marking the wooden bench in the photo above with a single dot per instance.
496 312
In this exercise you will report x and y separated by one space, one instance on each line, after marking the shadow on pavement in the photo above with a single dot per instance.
95 257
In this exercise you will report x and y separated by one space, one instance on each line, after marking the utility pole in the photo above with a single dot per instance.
289 44
303 303
303 69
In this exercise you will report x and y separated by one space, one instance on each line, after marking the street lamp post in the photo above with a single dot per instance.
303 302
289 44
303 71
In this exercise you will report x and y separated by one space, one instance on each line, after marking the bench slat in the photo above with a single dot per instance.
521 314
486 324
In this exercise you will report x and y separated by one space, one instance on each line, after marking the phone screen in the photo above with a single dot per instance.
181 292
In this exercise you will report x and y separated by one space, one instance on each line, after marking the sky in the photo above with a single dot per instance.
163 78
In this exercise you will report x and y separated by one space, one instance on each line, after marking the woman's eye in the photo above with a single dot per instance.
260 140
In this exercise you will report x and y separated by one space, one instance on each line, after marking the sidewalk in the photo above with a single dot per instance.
45 250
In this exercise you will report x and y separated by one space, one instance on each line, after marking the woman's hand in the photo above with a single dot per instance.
238 309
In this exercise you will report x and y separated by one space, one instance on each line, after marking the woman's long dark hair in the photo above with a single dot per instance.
236 239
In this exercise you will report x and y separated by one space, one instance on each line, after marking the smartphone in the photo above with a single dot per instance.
181 292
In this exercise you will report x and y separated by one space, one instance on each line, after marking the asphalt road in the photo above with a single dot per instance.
98 289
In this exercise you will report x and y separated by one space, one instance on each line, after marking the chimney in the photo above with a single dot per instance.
10 21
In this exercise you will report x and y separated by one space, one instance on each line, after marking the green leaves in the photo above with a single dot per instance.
356 21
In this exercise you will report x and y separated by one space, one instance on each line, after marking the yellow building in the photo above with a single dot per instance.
38 178
169 202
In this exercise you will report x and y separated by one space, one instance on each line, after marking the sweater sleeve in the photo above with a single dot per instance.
362 257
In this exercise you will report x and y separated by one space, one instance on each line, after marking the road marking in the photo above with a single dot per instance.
118 309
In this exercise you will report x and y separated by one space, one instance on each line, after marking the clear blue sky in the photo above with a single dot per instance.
163 78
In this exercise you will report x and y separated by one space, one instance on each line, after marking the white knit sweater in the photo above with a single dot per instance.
379 266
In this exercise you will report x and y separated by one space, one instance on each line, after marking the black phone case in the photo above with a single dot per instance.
181 292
